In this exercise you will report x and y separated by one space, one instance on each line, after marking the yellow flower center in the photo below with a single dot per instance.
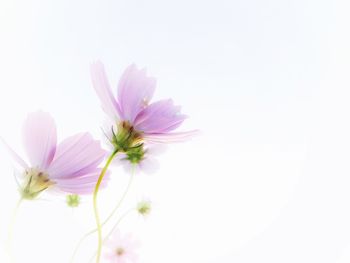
35 182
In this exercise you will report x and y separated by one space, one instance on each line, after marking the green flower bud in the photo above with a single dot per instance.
73 200
144 208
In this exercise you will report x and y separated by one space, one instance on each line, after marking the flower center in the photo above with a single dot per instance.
145 102
120 251
144 208
35 182
126 137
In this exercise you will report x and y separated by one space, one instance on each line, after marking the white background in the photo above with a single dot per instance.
267 83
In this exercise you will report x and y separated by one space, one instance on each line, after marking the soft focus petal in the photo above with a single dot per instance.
13 154
135 90
159 117
39 138
77 155
155 149
81 184
103 90
107 135
171 137
149 165
125 242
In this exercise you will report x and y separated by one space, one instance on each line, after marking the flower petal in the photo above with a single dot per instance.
149 165
159 117
39 138
135 90
13 154
103 90
76 156
171 137
84 184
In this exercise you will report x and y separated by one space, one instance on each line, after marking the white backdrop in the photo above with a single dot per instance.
267 83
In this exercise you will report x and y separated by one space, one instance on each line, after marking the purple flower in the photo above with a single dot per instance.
138 120
71 166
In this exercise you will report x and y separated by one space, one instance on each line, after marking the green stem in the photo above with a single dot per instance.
97 217
120 201
105 221
118 222
11 229
113 228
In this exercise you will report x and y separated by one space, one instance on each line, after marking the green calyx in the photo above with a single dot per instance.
136 154
126 137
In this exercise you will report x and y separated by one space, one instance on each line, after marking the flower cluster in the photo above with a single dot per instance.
73 167
133 119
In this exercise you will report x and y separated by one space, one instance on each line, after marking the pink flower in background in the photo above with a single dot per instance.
141 160
71 166
130 108
121 249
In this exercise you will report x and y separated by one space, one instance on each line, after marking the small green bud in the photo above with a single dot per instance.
144 208
73 200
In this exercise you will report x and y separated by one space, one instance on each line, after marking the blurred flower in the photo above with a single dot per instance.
71 166
133 119
140 159
73 200
144 207
121 249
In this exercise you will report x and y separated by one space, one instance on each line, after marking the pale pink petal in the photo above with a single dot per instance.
39 138
135 90
171 137
84 184
107 134
103 90
132 257
118 241
155 149
159 117
149 165
119 159
76 156
13 154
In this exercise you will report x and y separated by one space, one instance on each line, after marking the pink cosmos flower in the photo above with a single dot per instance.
121 249
71 166
130 108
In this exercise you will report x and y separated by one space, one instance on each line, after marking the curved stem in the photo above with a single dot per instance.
11 229
97 217
79 244
121 199
105 221
113 228
117 223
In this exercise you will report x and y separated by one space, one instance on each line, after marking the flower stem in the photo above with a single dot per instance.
105 221
121 199
113 229
118 222
97 217
11 229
